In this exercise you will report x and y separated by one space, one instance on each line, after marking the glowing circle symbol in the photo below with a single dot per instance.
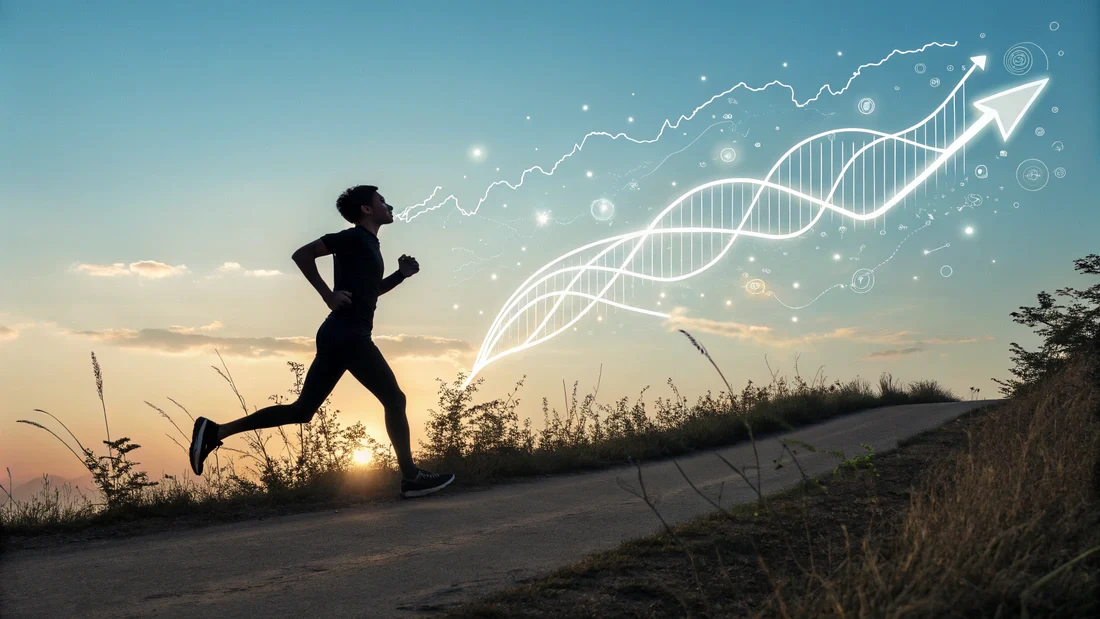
946 270
755 286
866 105
1059 172
1018 59
603 209
1032 174
920 68
1058 146
1015 205
934 82
863 280
1039 131
981 171
1053 26
1054 110
728 155
950 67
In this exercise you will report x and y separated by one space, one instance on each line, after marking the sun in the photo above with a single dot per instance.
361 457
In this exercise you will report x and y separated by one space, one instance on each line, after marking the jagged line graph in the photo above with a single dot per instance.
408 215
572 279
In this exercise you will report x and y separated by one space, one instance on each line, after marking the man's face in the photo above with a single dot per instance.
381 212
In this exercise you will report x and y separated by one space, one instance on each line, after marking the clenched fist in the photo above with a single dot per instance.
408 265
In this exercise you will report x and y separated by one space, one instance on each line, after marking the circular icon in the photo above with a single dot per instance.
950 67
1032 174
1015 205
981 36
981 171
882 232
755 286
832 137
1059 172
866 105
934 82
863 280
1058 146
946 270
920 68
1061 53
603 209
1054 110
897 87
728 155
1053 26
757 145
1039 131
1018 59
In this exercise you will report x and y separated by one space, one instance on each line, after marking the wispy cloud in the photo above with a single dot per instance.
193 340
893 353
143 268
7 333
904 341
235 267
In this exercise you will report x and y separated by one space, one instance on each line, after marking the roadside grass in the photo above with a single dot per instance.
995 514
314 465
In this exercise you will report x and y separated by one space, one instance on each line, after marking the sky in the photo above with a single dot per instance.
160 162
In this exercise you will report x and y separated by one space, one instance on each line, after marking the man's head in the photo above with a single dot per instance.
363 204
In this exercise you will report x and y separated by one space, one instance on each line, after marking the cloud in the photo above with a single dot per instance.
7 333
144 268
235 267
192 340
905 342
894 353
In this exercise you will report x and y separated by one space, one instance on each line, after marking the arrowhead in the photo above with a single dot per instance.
978 60
1009 106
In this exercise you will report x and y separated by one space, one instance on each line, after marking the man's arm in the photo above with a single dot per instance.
306 258
389 283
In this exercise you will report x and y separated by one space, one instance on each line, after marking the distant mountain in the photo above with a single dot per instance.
23 492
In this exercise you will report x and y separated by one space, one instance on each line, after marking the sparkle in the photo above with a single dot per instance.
914 278
840 53
630 119
673 183
662 295
926 252
528 118
589 174
480 312
542 218
796 284
752 259
728 302
585 107
994 262
836 256
523 249
704 78
494 275
969 230
701 295
784 64
456 305
599 318
794 318
477 152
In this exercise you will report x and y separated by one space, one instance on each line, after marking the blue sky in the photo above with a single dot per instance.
192 135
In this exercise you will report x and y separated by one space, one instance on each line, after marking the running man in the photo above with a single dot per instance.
344 339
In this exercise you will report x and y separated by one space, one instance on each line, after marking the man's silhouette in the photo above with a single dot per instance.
344 339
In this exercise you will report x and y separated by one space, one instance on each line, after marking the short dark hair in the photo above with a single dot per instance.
349 202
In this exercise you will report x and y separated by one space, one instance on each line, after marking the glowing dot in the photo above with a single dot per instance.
630 119
926 252
523 249
840 53
543 218
584 107
658 302
589 174
969 230
701 295
480 312
662 295
836 256
914 278
794 318
994 262
456 305
599 318
361 456
673 183
704 78
728 302
752 259
494 275
528 118
477 152
796 284
498 169
631 94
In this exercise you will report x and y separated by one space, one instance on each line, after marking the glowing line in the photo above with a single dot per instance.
945 154
666 125
798 307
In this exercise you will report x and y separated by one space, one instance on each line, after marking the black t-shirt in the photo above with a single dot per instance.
357 268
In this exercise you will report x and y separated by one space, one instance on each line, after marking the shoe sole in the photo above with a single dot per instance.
411 494
196 447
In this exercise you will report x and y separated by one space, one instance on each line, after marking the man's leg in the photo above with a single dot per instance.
321 379
369 367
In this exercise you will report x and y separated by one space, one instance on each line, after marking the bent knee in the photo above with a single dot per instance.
303 413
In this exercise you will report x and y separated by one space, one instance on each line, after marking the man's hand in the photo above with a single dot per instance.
408 265
338 299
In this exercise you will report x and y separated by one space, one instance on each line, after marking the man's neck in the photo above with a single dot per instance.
369 226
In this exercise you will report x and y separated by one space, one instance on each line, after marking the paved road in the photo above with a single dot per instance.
408 558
